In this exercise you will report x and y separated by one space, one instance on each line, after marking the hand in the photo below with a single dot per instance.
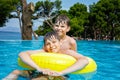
46 71
50 72
54 73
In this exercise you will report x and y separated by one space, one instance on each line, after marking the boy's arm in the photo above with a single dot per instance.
73 44
81 62
25 57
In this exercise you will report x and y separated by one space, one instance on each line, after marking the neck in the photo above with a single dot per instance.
62 38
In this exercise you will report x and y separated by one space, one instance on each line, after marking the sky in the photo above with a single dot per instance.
13 24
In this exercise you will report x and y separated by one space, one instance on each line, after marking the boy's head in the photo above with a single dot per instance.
62 25
63 19
51 42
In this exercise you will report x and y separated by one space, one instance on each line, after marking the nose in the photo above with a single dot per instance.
59 28
51 45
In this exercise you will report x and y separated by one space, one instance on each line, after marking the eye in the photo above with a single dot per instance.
47 43
54 41
62 26
56 26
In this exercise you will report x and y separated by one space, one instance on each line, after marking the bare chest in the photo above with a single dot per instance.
65 45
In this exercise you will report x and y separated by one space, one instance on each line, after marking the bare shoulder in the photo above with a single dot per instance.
72 40
73 53
35 51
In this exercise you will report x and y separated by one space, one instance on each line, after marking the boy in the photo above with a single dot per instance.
51 44
62 26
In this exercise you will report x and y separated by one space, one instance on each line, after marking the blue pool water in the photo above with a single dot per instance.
105 53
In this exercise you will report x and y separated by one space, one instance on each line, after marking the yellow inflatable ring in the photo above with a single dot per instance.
57 62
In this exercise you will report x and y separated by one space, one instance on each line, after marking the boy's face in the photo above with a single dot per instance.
62 28
52 45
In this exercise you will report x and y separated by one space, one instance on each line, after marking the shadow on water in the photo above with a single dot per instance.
85 76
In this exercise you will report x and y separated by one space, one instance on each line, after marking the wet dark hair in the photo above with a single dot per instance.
50 35
63 18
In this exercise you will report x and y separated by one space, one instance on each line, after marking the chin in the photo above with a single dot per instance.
55 51
59 33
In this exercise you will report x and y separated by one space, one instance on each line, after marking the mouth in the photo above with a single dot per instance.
53 48
59 32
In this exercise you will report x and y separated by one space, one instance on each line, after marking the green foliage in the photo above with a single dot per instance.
79 18
77 10
63 12
6 7
47 8
48 11
105 16
42 30
76 27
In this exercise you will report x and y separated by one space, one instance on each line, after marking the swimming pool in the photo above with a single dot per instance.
105 53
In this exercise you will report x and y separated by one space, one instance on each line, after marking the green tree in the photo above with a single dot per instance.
104 19
43 29
6 7
47 10
79 19
44 9
76 27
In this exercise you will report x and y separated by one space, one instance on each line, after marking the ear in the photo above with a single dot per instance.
68 29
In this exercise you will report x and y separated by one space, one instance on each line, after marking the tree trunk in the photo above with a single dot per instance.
94 33
112 34
27 11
